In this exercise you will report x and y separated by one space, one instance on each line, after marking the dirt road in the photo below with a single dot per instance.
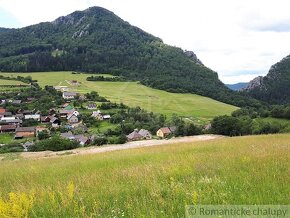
129 145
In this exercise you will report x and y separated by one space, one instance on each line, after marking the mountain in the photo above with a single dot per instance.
274 88
237 86
96 40
3 29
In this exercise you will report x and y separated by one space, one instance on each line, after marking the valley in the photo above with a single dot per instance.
99 118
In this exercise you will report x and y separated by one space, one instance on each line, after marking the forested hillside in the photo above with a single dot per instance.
275 87
96 40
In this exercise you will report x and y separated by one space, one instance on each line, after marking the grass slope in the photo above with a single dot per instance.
151 182
11 82
134 94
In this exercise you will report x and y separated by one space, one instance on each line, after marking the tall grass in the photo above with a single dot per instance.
152 182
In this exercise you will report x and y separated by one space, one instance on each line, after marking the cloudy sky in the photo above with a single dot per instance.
240 39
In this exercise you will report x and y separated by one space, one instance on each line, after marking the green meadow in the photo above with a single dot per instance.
149 182
10 82
134 94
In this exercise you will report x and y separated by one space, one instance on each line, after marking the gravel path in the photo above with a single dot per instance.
129 145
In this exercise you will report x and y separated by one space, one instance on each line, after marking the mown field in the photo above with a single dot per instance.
10 82
134 94
149 182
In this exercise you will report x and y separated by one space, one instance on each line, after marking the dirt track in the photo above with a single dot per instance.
129 145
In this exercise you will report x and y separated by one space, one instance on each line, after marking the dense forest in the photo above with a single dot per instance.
96 40
275 87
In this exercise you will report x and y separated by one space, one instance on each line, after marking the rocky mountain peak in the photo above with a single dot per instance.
78 17
193 56
256 82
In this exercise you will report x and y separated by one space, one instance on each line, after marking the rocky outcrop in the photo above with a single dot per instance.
193 56
255 83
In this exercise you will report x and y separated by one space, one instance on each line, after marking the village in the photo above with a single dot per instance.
71 121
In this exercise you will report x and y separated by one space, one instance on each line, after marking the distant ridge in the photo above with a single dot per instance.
237 86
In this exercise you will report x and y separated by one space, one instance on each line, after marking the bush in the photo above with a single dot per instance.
55 143
12 147
43 135
226 125
100 141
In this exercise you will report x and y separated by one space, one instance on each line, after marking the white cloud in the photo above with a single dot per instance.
230 37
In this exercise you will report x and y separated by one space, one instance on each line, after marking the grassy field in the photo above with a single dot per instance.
149 182
134 94
6 138
11 82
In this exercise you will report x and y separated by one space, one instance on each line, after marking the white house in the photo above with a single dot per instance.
32 116
7 118
98 115
72 118
61 88
69 95
107 117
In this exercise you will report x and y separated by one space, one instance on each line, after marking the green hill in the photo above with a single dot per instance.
149 182
275 87
199 108
96 40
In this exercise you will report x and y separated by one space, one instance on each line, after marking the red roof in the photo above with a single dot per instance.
8 127
165 130
2 110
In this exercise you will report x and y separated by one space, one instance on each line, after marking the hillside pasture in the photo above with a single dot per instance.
134 94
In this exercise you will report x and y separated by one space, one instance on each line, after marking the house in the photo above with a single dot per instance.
69 95
107 117
32 116
64 113
45 119
52 111
16 122
134 136
7 118
92 106
98 115
29 100
16 102
72 118
145 134
19 116
6 114
67 135
65 105
7 128
74 83
165 131
83 140
2 110
61 88
55 122
27 145
23 132
25 112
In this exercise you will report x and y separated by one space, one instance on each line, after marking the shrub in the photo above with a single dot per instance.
55 143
